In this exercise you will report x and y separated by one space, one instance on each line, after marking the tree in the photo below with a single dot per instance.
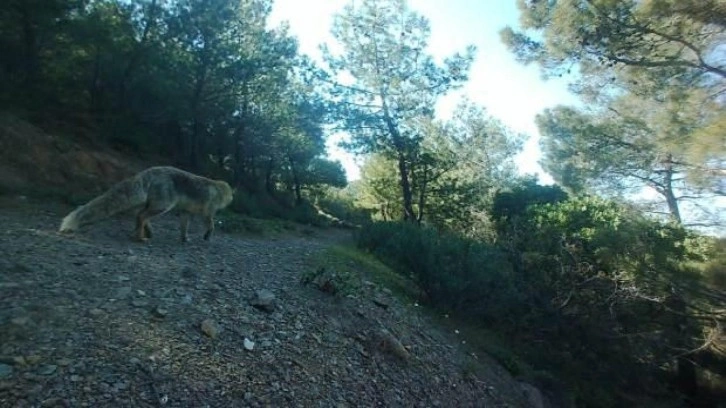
617 153
652 75
671 39
458 165
392 81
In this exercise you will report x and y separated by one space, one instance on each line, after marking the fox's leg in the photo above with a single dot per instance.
140 226
184 227
142 219
209 220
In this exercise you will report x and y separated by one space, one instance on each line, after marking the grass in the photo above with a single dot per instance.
346 260
234 223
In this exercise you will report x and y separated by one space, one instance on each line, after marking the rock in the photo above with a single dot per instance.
5 370
249 344
95 312
159 312
54 402
264 300
210 328
20 321
188 273
381 303
13 360
64 362
533 395
139 303
123 292
389 343
49 369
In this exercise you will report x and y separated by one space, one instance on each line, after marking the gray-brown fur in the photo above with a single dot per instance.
153 192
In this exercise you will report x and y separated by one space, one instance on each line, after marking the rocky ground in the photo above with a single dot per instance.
95 320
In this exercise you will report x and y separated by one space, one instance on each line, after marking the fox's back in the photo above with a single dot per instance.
187 190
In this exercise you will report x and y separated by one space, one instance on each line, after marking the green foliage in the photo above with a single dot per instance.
457 167
509 205
652 79
454 272
583 285
190 80
342 205
394 82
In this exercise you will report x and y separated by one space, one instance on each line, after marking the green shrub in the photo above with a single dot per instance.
455 272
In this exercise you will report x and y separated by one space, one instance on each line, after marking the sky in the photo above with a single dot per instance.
509 91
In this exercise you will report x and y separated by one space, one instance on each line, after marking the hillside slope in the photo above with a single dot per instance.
39 163
93 319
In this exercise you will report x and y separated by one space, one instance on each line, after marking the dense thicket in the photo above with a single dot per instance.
614 304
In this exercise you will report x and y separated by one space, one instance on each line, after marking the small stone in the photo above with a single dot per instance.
139 303
49 369
264 300
159 312
76 378
95 312
210 328
134 360
5 370
64 362
53 402
20 321
13 360
188 273
381 303
123 292
33 359
123 278
249 344
140 292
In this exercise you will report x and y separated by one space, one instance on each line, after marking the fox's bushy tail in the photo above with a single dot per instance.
123 196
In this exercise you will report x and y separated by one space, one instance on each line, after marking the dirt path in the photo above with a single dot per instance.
93 319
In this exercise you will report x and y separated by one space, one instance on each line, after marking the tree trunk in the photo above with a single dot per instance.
269 185
196 121
31 63
295 182
133 60
668 190
686 379
408 214
422 195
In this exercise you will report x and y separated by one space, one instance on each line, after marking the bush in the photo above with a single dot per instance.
455 272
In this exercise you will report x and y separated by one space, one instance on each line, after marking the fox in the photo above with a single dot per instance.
153 192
